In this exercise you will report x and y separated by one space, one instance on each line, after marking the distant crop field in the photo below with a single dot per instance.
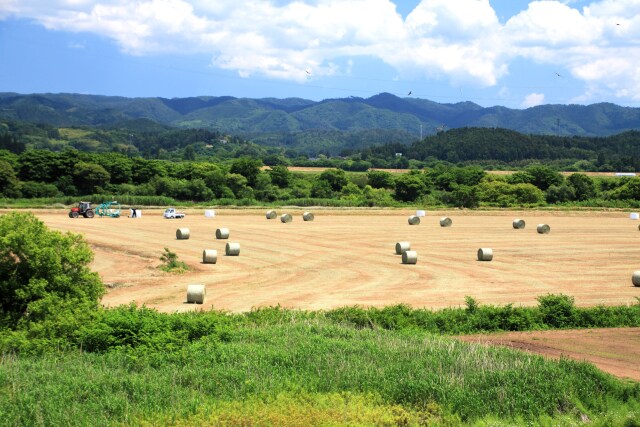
398 171
347 257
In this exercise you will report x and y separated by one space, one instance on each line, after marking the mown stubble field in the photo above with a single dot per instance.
347 257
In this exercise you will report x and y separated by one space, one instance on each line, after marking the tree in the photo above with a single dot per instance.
409 187
88 176
43 272
380 179
9 184
465 196
544 177
336 178
583 186
247 167
280 176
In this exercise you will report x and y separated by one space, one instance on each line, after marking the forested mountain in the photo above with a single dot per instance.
256 117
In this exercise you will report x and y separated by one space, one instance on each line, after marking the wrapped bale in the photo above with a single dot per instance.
402 247
271 214
209 256
485 254
409 257
543 229
196 294
182 234
421 213
286 218
222 233
518 224
308 216
445 221
209 213
635 278
414 220
232 249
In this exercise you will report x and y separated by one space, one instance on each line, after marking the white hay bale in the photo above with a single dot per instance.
635 279
209 256
196 294
409 257
232 249
402 247
209 213
414 220
445 221
543 229
518 224
421 213
182 234
485 254
222 233
308 216
634 215
271 214
286 218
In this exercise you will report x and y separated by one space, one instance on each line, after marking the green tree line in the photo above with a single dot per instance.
73 173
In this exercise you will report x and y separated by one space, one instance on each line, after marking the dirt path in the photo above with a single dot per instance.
613 350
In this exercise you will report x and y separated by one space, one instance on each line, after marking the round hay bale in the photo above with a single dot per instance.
518 224
409 257
271 214
402 247
182 234
308 216
209 256
635 278
634 215
485 254
421 213
414 220
222 233
639 227
232 249
543 229
196 294
445 221
286 218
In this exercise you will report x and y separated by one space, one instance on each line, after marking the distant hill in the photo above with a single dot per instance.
329 125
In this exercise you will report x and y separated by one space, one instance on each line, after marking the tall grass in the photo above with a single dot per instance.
312 356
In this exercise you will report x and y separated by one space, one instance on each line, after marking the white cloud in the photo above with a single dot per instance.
462 40
532 100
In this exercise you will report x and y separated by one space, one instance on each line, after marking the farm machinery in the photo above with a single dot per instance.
111 209
84 209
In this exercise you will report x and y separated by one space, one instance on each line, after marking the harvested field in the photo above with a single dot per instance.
347 257
613 350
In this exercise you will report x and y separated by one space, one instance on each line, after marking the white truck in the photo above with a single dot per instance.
171 213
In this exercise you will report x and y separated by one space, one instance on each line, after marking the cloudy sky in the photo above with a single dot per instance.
515 53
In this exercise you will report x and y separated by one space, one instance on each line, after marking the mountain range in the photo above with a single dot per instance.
301 123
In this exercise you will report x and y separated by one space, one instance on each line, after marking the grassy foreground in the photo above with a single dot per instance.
310 371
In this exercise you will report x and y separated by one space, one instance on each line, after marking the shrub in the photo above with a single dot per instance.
44 274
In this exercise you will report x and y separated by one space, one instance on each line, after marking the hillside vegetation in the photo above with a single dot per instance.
299 121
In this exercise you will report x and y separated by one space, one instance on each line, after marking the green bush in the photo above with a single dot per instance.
44 275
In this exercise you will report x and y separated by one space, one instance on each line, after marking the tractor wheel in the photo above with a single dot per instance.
89 214
73 214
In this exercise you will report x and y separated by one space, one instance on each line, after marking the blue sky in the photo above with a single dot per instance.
515 53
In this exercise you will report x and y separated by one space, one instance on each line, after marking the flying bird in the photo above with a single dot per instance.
409 94
557 74
308 72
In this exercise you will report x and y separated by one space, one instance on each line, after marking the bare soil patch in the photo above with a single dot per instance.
613 350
